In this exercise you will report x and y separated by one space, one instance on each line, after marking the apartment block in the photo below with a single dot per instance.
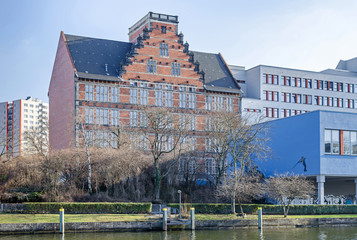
17 118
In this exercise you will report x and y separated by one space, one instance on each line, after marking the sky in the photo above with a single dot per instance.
301 34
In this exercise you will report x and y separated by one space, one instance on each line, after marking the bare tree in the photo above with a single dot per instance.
188 168
285 188
36 140
118 137
218 145
161 129
85 138
238 144
249 187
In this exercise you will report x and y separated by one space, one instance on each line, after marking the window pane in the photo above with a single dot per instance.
335 148
346 136
335 135
346 148
327 135
327 147
354 142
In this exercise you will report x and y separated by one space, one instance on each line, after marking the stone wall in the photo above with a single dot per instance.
156 226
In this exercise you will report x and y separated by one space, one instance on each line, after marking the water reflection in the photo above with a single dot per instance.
261 237
337 233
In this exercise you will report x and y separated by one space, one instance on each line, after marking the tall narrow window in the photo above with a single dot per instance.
209 103
229 104
350 103
168 99
210 166
350 88
143 96
143 120
182 100
286 81
354 142
151 66
102 93
115 117
191 100
89 116
164 50
219 103
328 141
208 124
285 97
158 98
115 94
102 116
175 69
192 122
307 99
133 95
163 29
335 142
89 92
346 142
133 118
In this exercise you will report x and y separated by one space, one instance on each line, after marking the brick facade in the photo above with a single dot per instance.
135 81
61 99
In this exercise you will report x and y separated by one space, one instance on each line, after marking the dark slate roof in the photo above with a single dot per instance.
217 75
90 55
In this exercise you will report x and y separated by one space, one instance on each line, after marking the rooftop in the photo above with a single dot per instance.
102 59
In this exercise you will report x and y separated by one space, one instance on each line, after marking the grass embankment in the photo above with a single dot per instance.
54 218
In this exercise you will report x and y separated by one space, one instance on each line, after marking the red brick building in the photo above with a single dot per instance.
108 81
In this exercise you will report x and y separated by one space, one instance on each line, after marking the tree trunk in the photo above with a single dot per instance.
157 181
233 205
285 211
89 171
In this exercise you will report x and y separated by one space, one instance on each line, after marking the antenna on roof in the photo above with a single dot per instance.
106 67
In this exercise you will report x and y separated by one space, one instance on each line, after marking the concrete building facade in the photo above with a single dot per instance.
276 92
327 143
17 118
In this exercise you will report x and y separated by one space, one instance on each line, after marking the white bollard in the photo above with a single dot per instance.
192 219
164 219
61 221
260 218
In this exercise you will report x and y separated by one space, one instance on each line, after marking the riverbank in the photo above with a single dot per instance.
156 224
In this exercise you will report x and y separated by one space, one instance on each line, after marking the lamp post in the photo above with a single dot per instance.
179 192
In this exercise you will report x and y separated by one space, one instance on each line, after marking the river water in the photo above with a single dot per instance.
241 234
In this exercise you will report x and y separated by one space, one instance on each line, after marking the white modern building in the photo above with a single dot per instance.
277 92
17 118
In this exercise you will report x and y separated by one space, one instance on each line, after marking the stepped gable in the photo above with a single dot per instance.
102 59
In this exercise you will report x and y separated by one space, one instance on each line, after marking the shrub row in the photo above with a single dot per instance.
88 208
216 208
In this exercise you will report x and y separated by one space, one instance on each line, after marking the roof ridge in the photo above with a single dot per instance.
95 38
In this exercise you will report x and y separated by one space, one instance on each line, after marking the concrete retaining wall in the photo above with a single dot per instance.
150 226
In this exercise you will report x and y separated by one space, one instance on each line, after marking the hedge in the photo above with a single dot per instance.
88 208
217 208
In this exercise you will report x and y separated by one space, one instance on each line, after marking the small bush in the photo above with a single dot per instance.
89 208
